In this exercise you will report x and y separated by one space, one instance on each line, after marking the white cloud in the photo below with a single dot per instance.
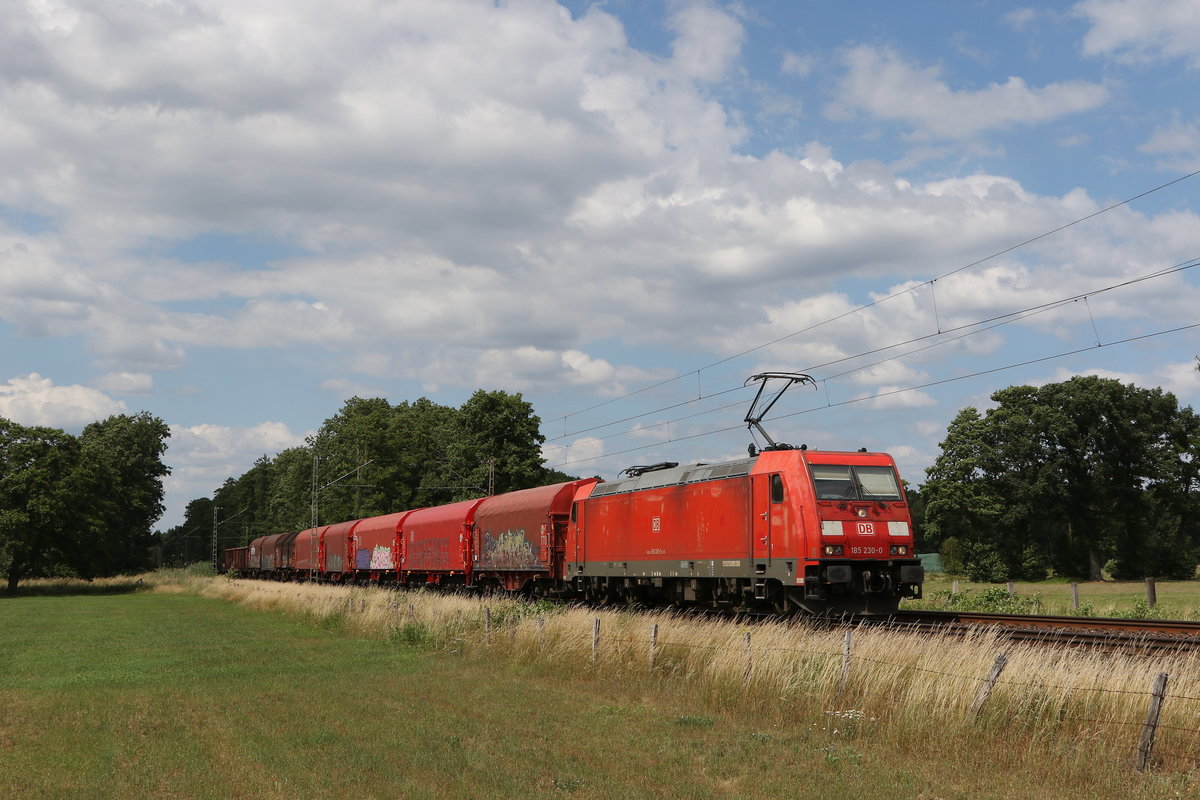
544 165
202 456
796 65
523 368
707 40
220 445
895 397
1178 377
893 372
1140 30
34 400
345 388
471 193
1021 19
1073 140
929 428
127 383
435 193
583 449
880 82
1174 138
46 290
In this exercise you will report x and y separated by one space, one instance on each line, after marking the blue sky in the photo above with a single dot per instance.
236 215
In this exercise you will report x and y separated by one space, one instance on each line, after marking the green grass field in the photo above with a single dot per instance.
1175 599
150 695
172 695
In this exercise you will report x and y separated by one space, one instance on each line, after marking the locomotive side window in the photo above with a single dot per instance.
574 512
845 482
776 488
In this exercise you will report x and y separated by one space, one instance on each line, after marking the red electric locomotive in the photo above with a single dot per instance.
788 528
793 529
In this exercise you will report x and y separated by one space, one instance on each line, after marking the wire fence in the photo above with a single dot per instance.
1149 754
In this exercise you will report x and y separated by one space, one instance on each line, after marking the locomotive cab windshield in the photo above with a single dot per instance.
856 482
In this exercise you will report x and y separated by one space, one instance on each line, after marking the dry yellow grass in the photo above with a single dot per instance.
1071 716
60 586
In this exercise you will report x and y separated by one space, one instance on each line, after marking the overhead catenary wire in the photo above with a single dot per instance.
979 326
879 301
890 392
1014 316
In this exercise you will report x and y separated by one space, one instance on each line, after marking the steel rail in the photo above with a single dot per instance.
1127 634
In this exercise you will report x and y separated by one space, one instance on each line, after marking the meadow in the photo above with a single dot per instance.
1174 599
203 687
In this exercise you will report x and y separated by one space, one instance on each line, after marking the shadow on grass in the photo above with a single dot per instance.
66 588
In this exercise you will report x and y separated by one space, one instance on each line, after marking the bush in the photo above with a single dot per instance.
985 566
952 556
994 600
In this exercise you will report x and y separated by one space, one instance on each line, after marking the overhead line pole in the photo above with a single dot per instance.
316 491
216 509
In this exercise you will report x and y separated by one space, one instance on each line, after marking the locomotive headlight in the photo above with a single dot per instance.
834 549
899 549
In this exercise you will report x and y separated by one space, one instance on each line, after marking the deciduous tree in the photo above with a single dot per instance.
36 500
119 485
1068 476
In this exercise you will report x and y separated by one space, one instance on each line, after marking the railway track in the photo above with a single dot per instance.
1105 632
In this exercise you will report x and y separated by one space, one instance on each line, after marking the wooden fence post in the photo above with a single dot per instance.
1151 593
1150 726
954 588
541 623
989 683
1075 596
412 613
653 646
487 625
595 640
845 661
1012 591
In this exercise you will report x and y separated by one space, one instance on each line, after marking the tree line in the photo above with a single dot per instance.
372 457
80 506
1079 478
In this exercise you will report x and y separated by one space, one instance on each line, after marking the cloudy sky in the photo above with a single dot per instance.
235 214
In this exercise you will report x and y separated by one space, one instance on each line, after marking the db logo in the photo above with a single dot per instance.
655 524
866 529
